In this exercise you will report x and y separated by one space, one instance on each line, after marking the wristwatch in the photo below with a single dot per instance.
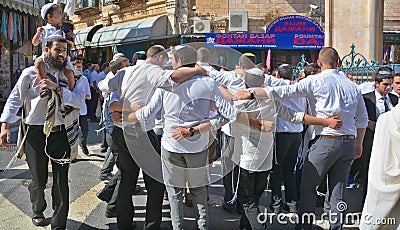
58 89
252 96
191 130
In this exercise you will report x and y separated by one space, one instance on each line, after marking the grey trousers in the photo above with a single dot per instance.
229 168
178 169
332 156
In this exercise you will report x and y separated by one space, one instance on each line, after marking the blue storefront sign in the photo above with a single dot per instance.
287 32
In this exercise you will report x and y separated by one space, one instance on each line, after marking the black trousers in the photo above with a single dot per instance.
251 187
287 147
38 161
83 124
92 104
129 174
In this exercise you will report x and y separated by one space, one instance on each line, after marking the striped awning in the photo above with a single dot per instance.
131 32
26 6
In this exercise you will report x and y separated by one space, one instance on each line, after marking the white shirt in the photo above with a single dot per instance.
273 81
83 86
296 104
380 104
231 81
94 76
101 76
103 84
149 113
254 149
188 105
330 93
48 30
27 88
136 84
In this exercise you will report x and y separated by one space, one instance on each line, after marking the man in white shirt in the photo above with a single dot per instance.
187 105
26 94
137 147
329 93
111 189
233 82
92 103
288 139
101 76
83 123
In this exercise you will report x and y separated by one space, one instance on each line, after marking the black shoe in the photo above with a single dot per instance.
85 150
107 178
104 195
74 160
228 207
111 214
276 209
291 207
103 149
137 190
38 219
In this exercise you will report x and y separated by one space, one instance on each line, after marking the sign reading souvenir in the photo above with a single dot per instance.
287 32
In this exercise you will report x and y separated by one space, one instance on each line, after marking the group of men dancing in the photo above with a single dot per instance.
191 102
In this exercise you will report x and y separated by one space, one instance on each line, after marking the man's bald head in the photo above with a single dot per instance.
328 58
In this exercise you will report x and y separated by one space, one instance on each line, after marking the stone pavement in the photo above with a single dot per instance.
87 211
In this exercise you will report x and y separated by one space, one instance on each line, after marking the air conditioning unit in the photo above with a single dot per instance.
202 26
238 21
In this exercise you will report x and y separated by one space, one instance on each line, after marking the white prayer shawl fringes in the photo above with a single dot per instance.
98 131
12 161
235 194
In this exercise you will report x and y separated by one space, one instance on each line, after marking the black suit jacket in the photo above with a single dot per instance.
370 104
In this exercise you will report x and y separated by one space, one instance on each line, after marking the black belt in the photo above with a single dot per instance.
57 128
346 137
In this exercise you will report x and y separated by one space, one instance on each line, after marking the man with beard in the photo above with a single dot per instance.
46 136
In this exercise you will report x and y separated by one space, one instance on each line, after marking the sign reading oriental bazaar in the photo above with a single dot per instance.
287 32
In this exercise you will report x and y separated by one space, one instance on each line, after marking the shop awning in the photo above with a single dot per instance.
131 32
26 6
84 36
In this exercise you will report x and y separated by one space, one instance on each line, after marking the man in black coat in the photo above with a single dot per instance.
377 102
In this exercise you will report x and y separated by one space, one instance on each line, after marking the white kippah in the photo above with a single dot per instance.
118 55
255 72
45 9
